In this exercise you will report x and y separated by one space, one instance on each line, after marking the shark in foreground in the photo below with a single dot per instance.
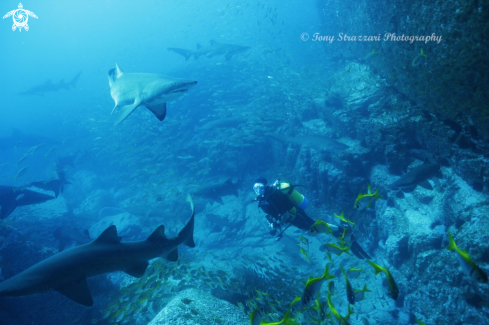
49 86
67 272
215 48
131 90
12 197
418 176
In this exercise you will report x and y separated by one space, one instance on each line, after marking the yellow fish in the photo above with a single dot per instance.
468 266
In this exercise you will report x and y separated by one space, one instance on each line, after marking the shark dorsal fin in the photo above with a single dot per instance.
198 46
213 42
229 181
157 235
118 71
114 74
109 236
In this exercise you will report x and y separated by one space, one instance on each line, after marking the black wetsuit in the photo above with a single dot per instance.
275 203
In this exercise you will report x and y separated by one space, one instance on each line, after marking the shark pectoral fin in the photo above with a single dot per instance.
138 270
158 110
56 191
228 56
77 291
426 185
172 256
127 110
7 209
109 236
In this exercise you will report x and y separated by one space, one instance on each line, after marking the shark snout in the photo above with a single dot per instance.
183 86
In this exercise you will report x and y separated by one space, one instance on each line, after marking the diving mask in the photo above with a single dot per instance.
259 188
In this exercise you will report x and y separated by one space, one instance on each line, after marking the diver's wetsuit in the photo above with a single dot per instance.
275 204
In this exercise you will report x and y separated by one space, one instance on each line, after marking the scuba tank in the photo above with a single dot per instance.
299 200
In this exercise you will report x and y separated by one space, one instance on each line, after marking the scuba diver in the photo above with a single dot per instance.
283 204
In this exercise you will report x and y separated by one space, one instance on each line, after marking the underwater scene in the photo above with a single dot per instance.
244 162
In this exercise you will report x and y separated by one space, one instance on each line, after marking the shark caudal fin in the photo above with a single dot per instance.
73 81
186 53
185 236
187 233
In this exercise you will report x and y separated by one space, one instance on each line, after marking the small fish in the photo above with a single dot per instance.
286 320
50 150
364 201
186 301
185 157
24 157
342 218
391 283
21 172
360 294
296 300
331 287
19 197
341 320
320 227
335 249
468 266
350 295
354 272
313 286
328 255
256 316
419 322
305 255
240 305
18 144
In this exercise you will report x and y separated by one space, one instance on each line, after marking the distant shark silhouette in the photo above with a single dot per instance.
67 272
49 86
418 176
215 192
312 141
21 139
70 236
12 197
231 122
131 90
215 48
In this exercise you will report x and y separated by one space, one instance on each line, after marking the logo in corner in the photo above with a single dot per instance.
20 17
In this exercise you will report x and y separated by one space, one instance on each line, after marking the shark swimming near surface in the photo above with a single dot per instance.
215 192
311 141
131 90
12 197
418 176
67 271
48 86
215 48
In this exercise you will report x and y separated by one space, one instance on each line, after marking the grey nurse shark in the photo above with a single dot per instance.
215 48
67 272
131 90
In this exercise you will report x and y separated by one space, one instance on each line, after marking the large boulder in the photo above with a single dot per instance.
192 306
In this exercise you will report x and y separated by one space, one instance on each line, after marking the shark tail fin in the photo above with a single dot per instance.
73 81
187 233
186 53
